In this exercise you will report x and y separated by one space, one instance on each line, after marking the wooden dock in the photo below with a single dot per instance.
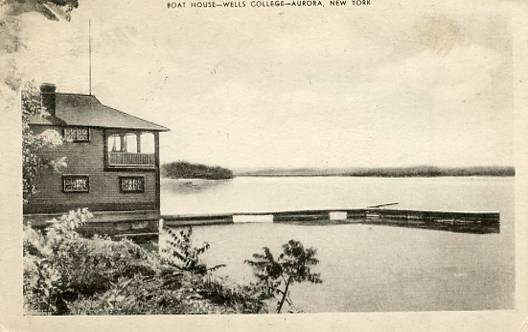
479 222
145 224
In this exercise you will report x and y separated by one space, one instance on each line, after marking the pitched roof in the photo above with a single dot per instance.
74 109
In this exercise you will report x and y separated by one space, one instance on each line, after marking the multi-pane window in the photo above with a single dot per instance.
132 184
77 134
76 183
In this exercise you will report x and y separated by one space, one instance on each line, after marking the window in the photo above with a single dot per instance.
77 134
76 183
122 143
114 143
131 143
147 143
132 184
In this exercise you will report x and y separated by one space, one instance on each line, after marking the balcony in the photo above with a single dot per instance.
117 159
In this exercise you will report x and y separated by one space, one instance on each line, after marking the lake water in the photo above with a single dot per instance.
364 267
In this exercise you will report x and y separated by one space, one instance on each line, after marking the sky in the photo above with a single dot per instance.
315 87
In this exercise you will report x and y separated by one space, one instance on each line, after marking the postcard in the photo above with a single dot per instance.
263 165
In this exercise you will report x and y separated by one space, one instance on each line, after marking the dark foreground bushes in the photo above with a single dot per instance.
66 274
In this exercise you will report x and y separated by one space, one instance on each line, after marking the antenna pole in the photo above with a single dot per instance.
90 55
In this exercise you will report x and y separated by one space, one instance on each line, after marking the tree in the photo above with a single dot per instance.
32 145
276 276
186 170
11 40
11 80
51 9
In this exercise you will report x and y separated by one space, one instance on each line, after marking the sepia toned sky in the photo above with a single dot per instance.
284 87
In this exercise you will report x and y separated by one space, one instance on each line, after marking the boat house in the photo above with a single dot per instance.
112 163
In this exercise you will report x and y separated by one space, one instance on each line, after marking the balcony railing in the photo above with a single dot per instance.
131 160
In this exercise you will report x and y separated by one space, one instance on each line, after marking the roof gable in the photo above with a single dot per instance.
74 109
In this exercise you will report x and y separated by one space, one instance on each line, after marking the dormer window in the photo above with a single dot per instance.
77 134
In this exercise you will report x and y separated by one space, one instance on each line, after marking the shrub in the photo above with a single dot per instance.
275 276
181 253
65 273
60 266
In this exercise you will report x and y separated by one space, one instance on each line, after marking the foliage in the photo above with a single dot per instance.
183 255
60 266
243 298
65 273
11 42
180 255
33 145
11 78
51 9
275 276
135 295
185 170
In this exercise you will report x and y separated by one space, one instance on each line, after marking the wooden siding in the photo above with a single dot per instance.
88 158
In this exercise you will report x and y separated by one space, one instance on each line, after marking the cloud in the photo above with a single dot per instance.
327 90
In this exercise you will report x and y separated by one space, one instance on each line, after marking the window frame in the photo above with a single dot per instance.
85 176
110 164
125 177
78 140
108 146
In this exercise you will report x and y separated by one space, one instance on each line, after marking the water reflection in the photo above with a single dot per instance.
452 225
192 186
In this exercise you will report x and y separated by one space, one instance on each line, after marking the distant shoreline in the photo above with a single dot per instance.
364 176
186 170
396 172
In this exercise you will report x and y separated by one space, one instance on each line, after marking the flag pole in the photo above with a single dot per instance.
90 55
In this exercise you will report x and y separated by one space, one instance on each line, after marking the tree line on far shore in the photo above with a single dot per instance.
414 171
186 170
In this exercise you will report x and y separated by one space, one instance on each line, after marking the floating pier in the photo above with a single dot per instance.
479 222
144 224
